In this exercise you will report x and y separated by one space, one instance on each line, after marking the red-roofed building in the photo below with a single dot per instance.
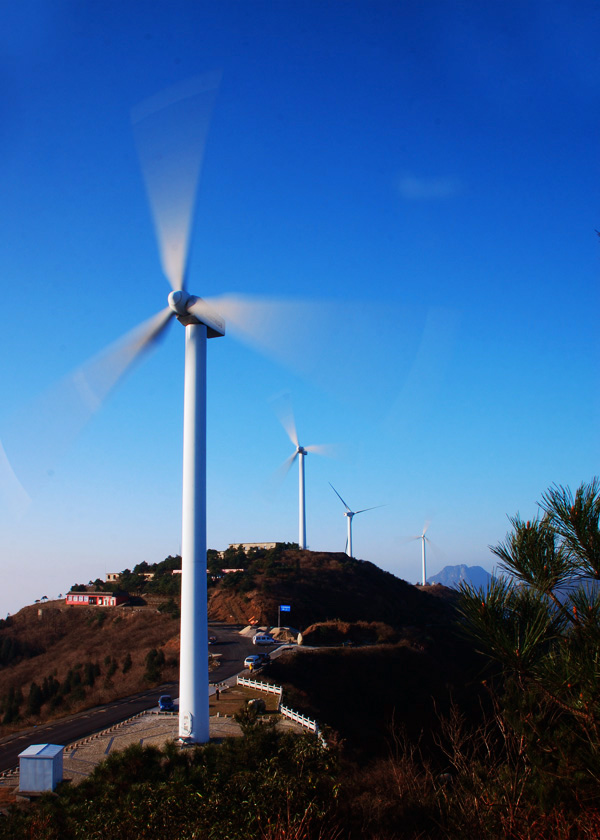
95 599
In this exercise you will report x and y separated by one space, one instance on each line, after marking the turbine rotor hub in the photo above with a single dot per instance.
179 301
301 450
190 309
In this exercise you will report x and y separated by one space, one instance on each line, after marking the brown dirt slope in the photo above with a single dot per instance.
63 639
323 587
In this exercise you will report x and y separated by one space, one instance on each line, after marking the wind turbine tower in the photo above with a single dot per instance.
170 131
300 452
424 540
350 514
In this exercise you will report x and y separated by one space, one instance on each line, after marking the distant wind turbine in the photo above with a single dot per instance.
424 539
350 514
289 424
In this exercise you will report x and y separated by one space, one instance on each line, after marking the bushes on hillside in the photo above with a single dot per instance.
155 660
243 788
274 786
356 632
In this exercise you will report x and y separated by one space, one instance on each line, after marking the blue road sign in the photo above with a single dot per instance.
284 608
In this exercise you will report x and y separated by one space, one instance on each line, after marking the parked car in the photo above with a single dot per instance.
264 658
165 703
253 660
263 639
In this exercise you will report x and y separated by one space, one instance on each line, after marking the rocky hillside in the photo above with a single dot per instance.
322 587
56 659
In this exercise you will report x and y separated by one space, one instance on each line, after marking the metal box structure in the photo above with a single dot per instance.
40 767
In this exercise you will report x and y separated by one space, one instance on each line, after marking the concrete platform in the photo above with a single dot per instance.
148 729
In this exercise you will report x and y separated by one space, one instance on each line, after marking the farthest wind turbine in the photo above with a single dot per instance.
424 539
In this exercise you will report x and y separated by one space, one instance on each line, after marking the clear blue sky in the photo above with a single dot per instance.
429 169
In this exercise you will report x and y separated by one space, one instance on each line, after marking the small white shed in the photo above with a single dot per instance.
40 767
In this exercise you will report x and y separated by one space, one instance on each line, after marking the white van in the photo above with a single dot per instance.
263 639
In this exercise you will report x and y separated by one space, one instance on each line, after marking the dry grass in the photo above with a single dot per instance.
70 636
233 699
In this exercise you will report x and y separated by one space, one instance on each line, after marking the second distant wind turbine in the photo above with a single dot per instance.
350 514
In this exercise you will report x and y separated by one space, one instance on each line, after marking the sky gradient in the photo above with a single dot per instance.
426 172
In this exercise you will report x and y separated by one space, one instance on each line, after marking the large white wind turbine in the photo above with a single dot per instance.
170 132
300 452
350 514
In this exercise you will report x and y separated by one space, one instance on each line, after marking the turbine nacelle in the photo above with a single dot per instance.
301 450
193 310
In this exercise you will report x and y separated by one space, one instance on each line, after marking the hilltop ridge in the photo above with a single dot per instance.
321 586
57 659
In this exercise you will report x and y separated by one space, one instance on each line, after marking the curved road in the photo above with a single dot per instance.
232 647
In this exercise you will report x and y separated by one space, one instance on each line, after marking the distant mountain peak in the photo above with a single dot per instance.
453 576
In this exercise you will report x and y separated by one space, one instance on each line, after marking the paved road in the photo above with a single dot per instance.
232 647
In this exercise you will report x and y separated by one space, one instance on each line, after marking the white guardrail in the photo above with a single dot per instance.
283 710
261 686
303 721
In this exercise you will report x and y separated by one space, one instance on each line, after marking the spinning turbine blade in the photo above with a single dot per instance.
170 131
15 498
285 413
341 500
95 379
321 449
277 327
371 508
284 469
318 341
55 418
207 315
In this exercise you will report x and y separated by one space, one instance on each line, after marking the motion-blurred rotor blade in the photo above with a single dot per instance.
283 470
425 527
38 438
371 508
342 501
207 315
96 378
276 327
346 546
335 343
285 413
170 131
327 449
15 498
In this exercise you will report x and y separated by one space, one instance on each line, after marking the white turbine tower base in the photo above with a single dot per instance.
193 676
301 496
